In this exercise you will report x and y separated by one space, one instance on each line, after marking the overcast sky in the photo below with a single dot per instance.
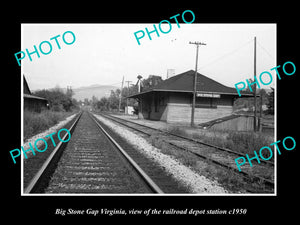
104 53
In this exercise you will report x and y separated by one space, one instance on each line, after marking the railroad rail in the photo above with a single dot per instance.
217 155
91 162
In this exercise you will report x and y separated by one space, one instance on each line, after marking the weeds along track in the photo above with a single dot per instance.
91 162
262 174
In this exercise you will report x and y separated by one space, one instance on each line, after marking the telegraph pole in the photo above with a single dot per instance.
195 82
255 110
120 98
128 82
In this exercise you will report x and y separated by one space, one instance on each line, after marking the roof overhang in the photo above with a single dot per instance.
33 97
185 91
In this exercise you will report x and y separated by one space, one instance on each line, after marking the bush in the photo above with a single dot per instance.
35 123
247 142
178 131
58 108
58 99
243 142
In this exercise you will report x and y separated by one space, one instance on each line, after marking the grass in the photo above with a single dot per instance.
229 179
35 123
243 142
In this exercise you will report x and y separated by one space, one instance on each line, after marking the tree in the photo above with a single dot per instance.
86 102
270 104
127 92
114 99
94 102
103 104
151 82
58 100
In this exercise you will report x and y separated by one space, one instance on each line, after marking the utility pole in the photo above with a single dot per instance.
255 110
195 83
139 77
128 82
260 112
120 98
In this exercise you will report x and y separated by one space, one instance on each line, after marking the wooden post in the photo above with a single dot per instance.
195 84
255 110
260 113
120 98
194 91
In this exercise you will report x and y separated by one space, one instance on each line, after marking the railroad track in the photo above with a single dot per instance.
91 162
216 155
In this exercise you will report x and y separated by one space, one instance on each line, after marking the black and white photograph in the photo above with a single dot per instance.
161 116
174 112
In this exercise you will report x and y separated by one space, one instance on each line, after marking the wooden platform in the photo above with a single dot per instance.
234 122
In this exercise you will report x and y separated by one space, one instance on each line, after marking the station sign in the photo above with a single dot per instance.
208 95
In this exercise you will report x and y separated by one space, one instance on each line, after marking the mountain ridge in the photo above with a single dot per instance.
96 90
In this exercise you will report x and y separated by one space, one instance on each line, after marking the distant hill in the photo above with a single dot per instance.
97 90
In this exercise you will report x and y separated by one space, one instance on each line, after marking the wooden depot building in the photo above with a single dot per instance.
171 99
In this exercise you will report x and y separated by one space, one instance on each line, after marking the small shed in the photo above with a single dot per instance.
32 102
171 100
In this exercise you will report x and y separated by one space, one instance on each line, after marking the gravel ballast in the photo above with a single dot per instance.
185 175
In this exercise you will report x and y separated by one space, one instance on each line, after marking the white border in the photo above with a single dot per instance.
166 194
22 112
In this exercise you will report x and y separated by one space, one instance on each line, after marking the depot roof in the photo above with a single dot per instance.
33 97
184 83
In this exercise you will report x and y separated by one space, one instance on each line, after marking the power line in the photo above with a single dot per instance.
226 54
269 54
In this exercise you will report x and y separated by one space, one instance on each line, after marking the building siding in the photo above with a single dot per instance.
181 113
154 107
171 99
176 108
36 105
